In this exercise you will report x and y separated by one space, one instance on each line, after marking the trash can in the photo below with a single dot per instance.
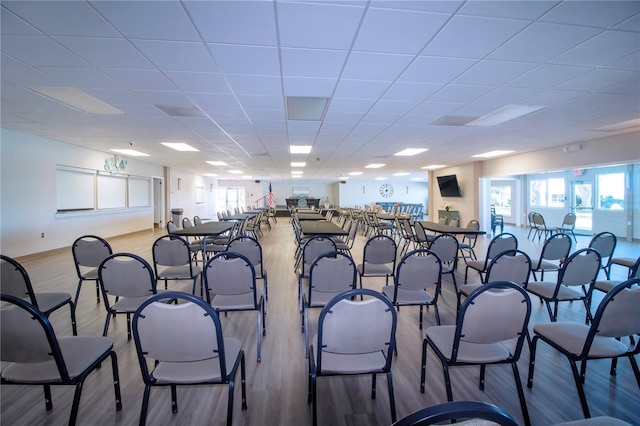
176 216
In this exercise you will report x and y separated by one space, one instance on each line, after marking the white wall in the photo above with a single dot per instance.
28 195
361 193
184 197
468 205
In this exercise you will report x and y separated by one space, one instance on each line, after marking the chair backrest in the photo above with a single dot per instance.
510 265
197 220
170 250
250 248
581 268
556 247
499 243
229 273
186 223
27 336
313 248
379 250
89 251
495 312
171 227
352 327
569 221
458 410
530 219
473 225
454 223
605 243
538 220
183 332
419 269
446 247
332 272
617 314
421 234
15 281
126 275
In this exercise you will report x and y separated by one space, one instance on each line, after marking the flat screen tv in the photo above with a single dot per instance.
449 186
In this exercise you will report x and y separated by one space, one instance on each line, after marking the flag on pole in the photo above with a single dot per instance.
271 201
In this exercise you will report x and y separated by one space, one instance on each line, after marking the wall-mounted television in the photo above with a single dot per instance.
449 186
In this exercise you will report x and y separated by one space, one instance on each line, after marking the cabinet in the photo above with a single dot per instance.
448 215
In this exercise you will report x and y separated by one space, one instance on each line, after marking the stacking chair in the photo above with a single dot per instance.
346 245
354 337
458 410
416 282
379 258
616 318
88 253
129 280
35 356
186 345
469 242
445 246
532 225
608 285
313 247
197 221
172 261
497 245
330 274
16 282
555 250
171 227
497 220
568 225
250 248
576 279
627 262
230 286
409 236
510 265
490 330
605 243
540 226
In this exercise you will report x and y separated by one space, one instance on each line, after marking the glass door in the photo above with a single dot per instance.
582 205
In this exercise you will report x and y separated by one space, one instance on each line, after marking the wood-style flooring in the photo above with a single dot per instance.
277 387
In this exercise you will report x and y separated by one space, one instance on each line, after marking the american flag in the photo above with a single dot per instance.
271 201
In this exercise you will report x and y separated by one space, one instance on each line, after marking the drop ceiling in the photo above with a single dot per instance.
395 75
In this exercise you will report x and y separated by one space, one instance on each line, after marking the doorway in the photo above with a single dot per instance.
582 205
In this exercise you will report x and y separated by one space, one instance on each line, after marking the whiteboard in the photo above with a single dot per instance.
199 194
112 192
139 192
75 189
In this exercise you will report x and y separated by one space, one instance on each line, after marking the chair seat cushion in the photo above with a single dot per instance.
235 301
179 272
408 297
478 353
79 352
207 370
90 274
572 335
606 286
350 363
376 269
546 289
48 301
545 264
129 304
321 298
624 261
478 265
467 289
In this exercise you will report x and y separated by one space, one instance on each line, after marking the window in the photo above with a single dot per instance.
611 191
547 192
501 199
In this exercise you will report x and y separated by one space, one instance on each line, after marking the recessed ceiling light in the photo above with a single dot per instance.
296 176
247 176
235 172
355 173
296 172
380 178
210 174
411 151
77 99
298 164
417 178
433 166
343 177
503 115
492 154
217 163
131 152
299 149
620 126
401 174
179 146
374 166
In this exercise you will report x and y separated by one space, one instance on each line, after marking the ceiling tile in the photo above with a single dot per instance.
312 87
360 89
598 79
426 69
402 91
216 100
140 79
459 93
629 63
551 98
39 50
236 59
375 66
199 81
81 77
601 49
506 95
106 52
592 13
254 84
27 77
507 8
448 6
177 55
12 25
547 75
493 73
312 63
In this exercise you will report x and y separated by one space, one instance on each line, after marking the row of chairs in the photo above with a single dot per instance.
538 226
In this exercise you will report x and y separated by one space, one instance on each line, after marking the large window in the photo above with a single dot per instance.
501 199
611 191
547 192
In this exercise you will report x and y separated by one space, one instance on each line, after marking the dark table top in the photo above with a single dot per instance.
318 227
310 216
240 216
446 229
206 229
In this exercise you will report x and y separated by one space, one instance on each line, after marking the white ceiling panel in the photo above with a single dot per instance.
388 68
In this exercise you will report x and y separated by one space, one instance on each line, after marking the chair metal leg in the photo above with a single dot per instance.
373 386
423 370
482 371
523 402
580 388
392 398
47 397
145 405
532 360
76 403
174 399
116 380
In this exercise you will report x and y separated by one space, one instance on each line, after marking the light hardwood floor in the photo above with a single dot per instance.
277 387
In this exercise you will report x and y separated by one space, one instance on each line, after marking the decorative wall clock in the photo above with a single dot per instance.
386 190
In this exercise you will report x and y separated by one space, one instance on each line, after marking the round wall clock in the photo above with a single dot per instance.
386 190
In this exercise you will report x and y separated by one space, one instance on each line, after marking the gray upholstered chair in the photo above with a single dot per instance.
15 282
417 282
469 242
230 286
555 250
607 285
605 243
252 250
88 253
616 318
378 258
34 355
497 245
172 261
186 345
568 225
354 337
446 247
311 249
478 413
494 314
